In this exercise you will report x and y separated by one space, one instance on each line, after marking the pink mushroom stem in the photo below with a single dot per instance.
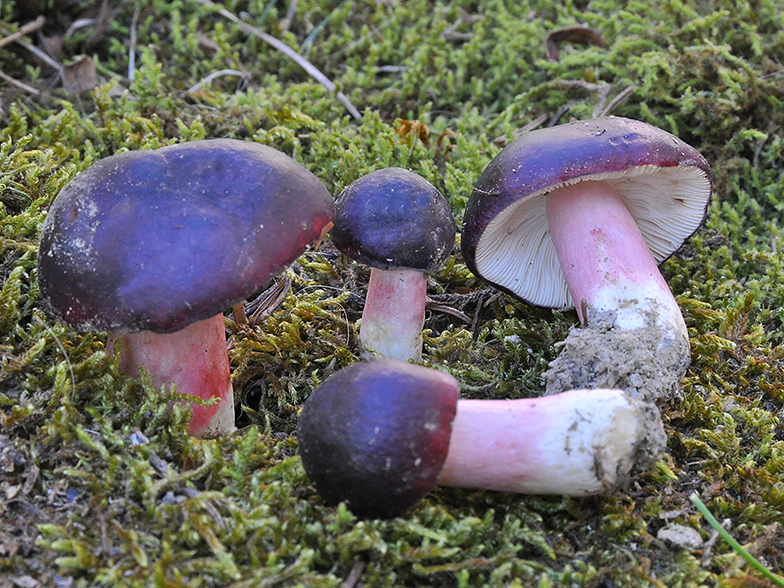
575 443
394 314
195 360
605 260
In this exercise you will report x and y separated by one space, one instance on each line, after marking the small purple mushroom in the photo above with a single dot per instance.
379 435
152 246
399 224
581 214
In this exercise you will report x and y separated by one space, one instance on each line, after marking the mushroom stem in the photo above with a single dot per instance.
635 336
394 314
576 443
194 359
605 259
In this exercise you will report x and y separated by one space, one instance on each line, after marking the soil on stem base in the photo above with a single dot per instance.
648 361
577 443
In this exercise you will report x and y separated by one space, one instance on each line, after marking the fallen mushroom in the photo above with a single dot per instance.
152 246
399 224
378 435
583 213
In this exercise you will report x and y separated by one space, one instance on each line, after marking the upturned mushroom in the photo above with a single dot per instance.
152 246
580 215
379 435
399 224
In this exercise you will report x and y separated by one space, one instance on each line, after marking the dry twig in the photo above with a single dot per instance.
43 56
619 99
132 45
534 124
354 576
30 27
288 52
25 29
18 84
444 309
291 12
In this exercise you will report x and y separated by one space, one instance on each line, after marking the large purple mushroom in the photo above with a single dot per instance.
152 246
400 225
580 215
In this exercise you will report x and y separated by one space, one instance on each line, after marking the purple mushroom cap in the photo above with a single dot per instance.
156 240
393 219
376 435
665 184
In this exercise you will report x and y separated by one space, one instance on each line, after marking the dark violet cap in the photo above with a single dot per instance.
394 219
665 184
156 240
376 435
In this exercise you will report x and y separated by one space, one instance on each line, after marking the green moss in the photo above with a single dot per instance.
103 486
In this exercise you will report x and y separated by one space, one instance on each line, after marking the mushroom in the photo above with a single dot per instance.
380 434
152 246
399 224
583 213
376 435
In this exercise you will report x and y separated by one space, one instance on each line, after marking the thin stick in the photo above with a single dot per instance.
17 37
30 27
288 52
54 64
19 84
132 44
534 124
285 24
354 575
443 308
621 97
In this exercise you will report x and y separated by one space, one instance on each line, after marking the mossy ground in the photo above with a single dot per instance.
100 484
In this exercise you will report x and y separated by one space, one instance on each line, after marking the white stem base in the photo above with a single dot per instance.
194 360
577 443
649 361
394 315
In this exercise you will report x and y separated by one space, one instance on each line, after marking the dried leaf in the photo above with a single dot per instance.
582 34
52 45
80 75
413 128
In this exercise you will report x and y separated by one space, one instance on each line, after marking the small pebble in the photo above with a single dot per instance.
680 536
